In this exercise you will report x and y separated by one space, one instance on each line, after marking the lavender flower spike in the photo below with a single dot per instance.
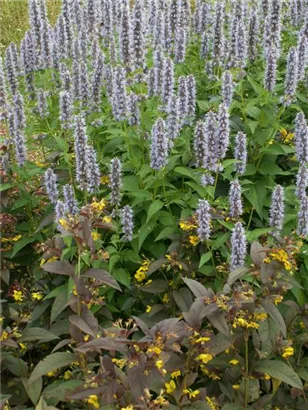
127 223
270 71
302 221
292 75
70 204
20 146
50 180
223 130
235 200
115 178
65 109
301 138
277 209
227 87
159 145
301 181
238 247
204 220
240 153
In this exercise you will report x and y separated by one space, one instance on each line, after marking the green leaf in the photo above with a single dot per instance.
60 389
205 258
20 203
6 186
22 243
144 232
102 276
153 209
58 305
236 274
256 233
166 233
279 371
218 242
197 405
50 363
33 390
186 172
59 267
37 333
232 406
274 313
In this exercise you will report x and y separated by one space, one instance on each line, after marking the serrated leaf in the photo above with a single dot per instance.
279 371
50 363
153 209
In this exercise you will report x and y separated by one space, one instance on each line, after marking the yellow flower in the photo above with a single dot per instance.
287 352
16 238
18 296
86 338
236 386
4 336
52 373
193 239
166 298
63 222
105 180
267 376
202 340
241 322
260 316
93 399
211 403
155 349
148 309
160 401
119 362
130 407
67 375
234 362
205 357
277 299
170 387
95 236
37 295
191 394
22 346
140 275
99 206
159 364
187 225
107 219
281 255
175 374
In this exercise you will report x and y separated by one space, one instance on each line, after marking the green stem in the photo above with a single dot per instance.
216 181
246 371
250 218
